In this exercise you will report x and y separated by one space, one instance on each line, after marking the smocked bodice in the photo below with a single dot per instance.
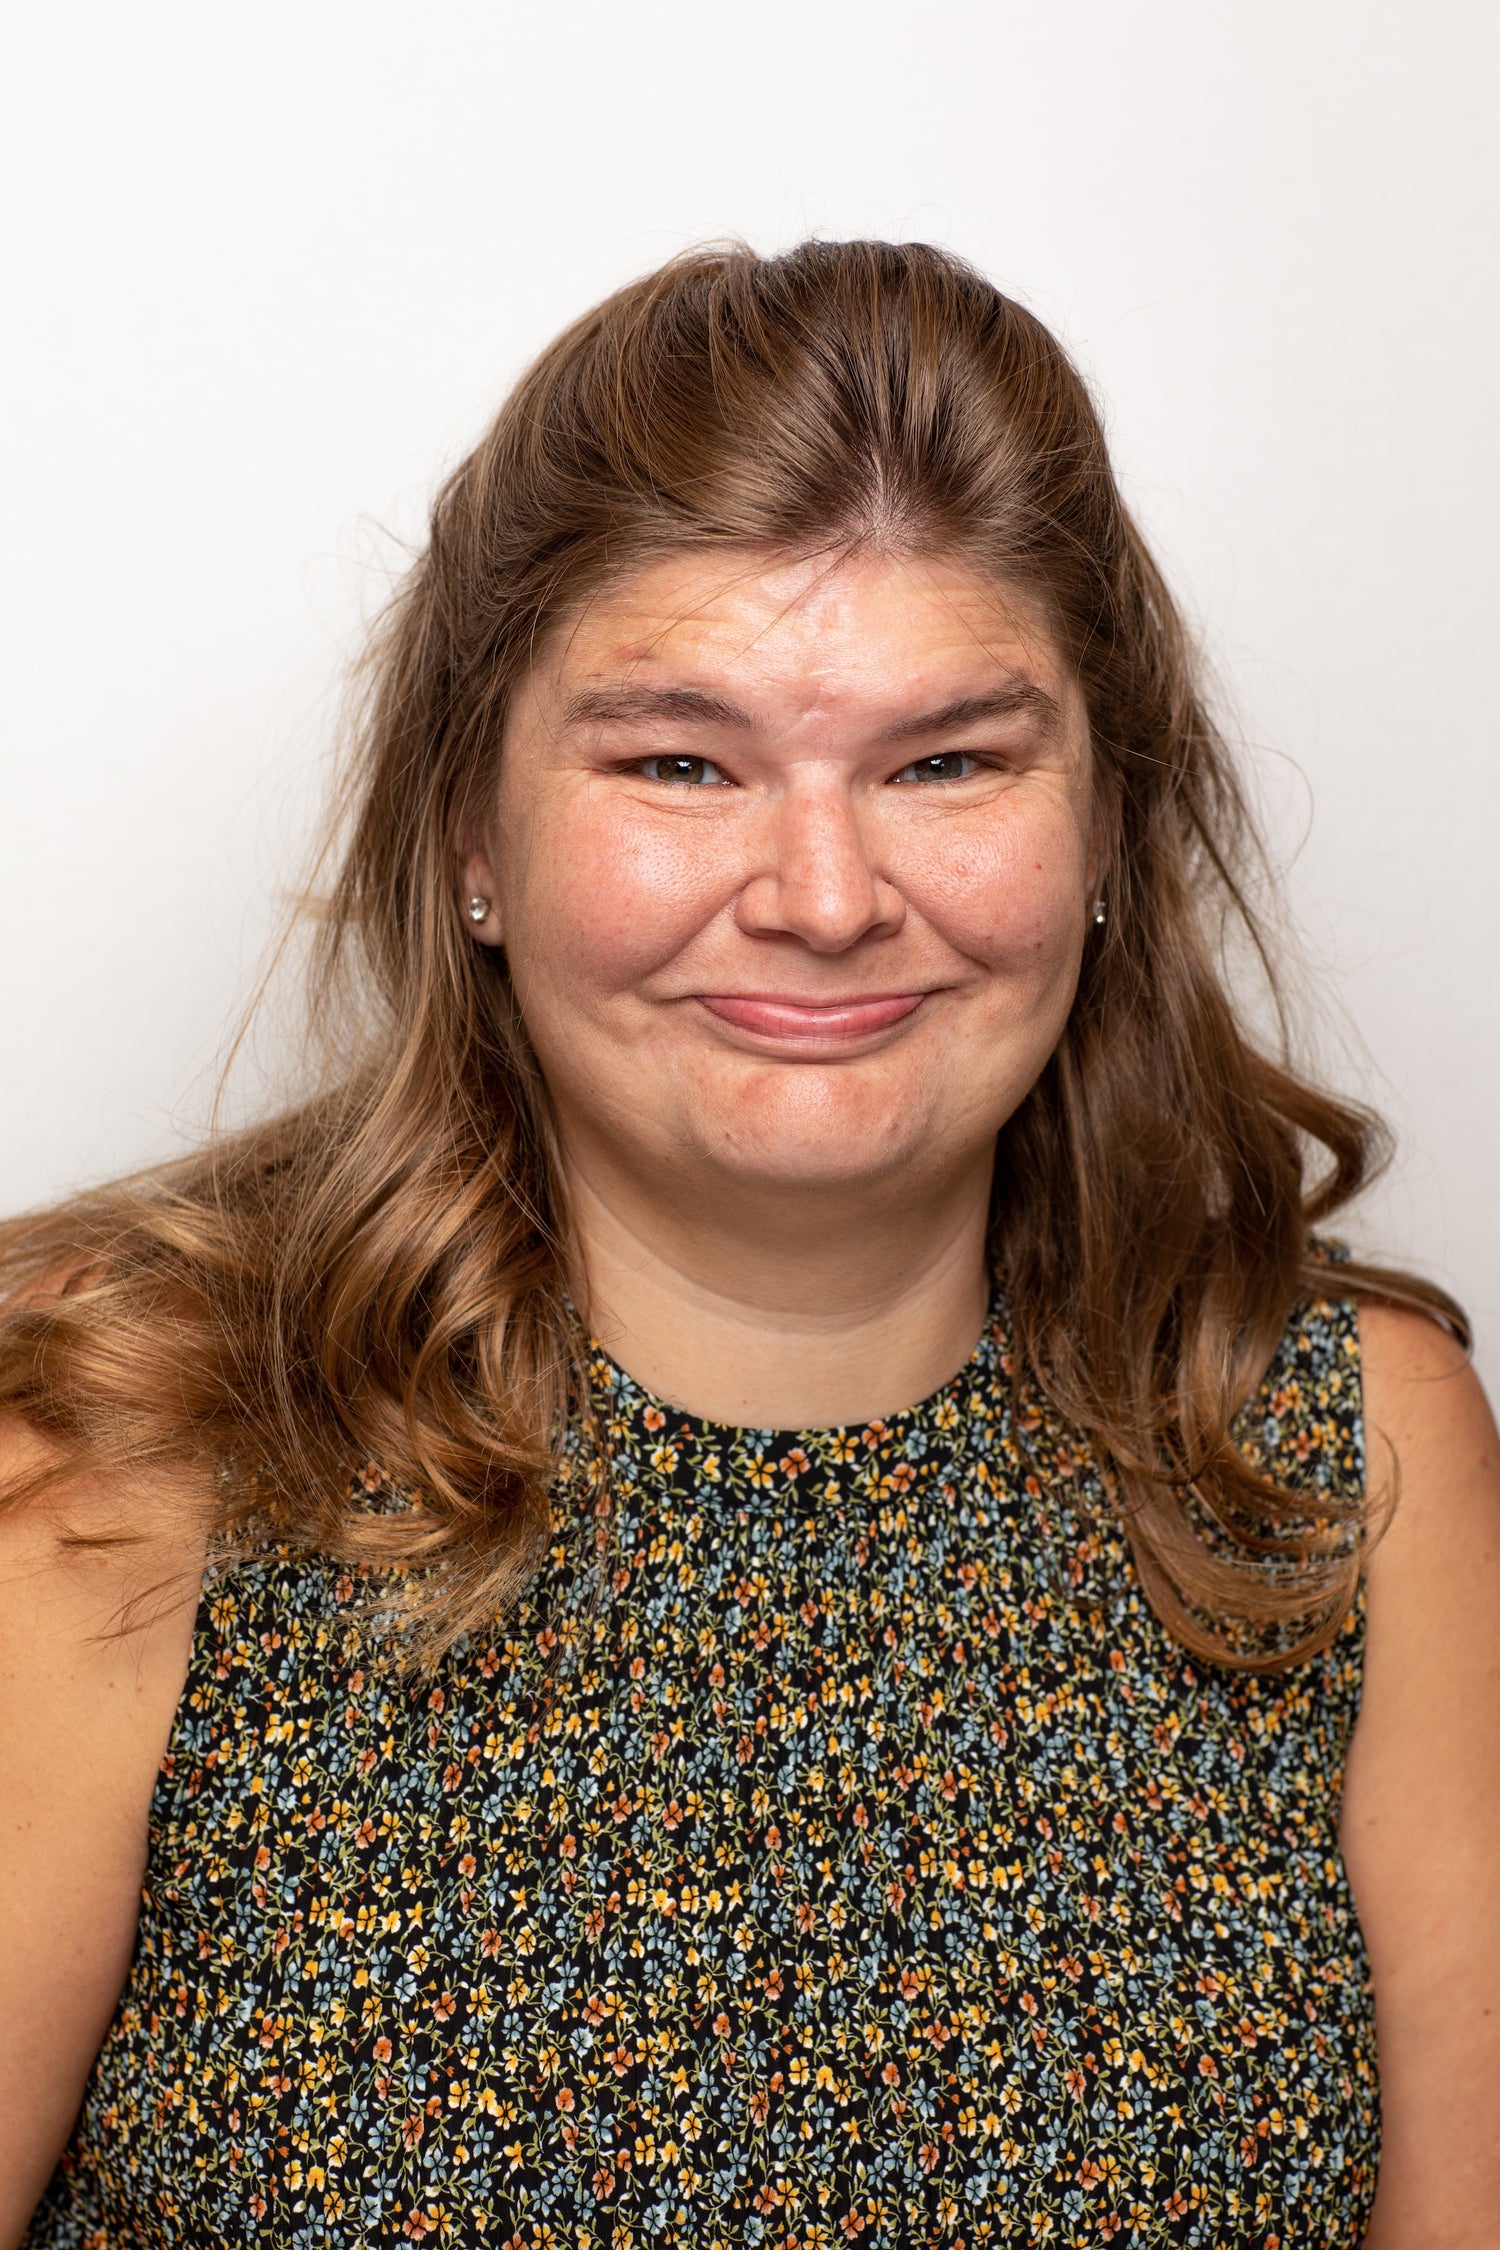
846 1854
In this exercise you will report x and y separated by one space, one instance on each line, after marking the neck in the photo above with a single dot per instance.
784 1312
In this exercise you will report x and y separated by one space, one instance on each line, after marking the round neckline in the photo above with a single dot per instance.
627 1397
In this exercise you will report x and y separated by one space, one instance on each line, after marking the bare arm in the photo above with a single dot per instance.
1421 1819
84 1718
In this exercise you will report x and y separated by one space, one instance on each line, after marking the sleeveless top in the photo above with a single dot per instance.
850 1857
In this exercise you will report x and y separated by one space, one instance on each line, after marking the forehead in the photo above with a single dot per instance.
835 632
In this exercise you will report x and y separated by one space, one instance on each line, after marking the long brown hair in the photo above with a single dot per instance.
378 1273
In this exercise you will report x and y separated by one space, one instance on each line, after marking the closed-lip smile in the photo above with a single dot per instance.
786 1019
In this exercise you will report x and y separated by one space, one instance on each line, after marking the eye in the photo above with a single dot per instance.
948 765
691 773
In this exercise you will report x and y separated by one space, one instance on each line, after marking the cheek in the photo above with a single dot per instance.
1008 894
597 903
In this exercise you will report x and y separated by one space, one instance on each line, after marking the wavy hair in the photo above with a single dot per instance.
378 1273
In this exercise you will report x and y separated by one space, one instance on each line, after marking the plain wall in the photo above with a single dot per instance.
271 269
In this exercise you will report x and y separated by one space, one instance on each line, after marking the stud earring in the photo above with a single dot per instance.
1100 917
478 909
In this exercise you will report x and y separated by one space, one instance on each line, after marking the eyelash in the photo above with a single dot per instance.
681 781
940 758
911 775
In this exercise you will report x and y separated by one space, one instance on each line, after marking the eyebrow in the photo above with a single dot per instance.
649 706
646 706
1022 696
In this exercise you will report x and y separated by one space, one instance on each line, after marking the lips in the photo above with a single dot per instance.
823 1023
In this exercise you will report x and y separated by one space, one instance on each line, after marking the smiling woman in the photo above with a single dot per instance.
736 912
723 1597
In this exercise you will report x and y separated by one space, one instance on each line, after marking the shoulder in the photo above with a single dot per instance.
1426 1413
98 1591
1421 1816
83 1554
1433 1571
98 1588
1433 1467
1377 1397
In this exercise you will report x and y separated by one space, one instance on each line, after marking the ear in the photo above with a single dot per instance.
1101 837
475 875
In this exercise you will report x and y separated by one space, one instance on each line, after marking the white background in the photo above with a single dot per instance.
270 268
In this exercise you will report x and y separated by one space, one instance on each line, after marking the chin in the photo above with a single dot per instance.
833 1175
835 1145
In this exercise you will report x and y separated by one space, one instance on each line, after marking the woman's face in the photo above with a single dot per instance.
791 863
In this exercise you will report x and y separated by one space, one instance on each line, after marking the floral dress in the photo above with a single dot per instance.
840 1852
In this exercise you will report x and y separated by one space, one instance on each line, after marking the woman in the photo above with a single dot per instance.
777 1478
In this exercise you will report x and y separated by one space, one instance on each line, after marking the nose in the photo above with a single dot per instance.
817 879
